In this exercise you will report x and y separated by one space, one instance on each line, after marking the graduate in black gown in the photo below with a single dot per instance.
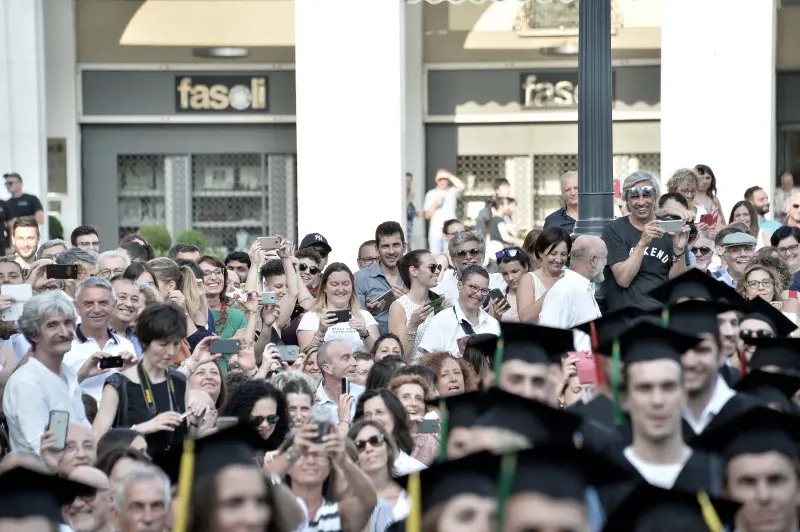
760 320
775 390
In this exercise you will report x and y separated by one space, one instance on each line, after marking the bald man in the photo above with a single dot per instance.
80 449
565 216
793 211
90 515
571 300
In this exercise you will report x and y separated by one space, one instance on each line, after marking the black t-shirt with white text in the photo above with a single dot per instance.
25 205
621 237
5 216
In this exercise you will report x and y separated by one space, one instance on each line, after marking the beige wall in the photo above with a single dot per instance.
788 39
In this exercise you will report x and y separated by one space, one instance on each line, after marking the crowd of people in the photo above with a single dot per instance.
474 386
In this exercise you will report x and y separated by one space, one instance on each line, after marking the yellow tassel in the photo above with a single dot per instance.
709 513
414 522
185 480
148 397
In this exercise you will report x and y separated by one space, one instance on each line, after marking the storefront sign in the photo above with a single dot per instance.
220 94
548 90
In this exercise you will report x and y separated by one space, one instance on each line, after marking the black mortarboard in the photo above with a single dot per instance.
461 409
645 341
538 422
563 472
759 309
28 493
756 431
652 509
535 344
475 474
234 445
611 325
781 352
694 284
694 317
486 343
770 387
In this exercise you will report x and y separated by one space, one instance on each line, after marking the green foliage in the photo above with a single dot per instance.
192 236
56 229
157 236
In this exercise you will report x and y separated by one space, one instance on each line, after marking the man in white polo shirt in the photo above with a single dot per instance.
571 301
450 328
94 301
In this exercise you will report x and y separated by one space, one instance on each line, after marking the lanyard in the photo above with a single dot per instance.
147 391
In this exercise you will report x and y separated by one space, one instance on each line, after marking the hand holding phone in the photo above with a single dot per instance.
225 347
671 226
342 316
111 362
58 425
708 219
268 243
61 271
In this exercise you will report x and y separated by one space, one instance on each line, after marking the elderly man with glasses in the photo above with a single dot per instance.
642 253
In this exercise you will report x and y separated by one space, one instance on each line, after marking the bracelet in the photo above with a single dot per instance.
363 336
411 334
677 258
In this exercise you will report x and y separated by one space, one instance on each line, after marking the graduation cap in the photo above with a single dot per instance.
457 411
28 493
538 422
534 344
770 387
694 284
781 352
759 309
695 317
604 329
485 343
643 342
652 509
757 430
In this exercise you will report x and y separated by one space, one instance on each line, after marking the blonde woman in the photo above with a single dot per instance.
686 183
179 285
325 321
764 282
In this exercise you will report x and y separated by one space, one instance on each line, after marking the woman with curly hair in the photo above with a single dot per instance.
686 183
768 256
263 407
453 375
410 389
765 282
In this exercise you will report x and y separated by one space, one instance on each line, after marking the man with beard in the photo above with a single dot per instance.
382 277
43 383
25 235
757 196
467 248
90 514
570 301
127 303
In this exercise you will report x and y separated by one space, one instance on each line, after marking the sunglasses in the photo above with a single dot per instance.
703 250
508 252
749 334
374 442
645 191
257 421
434 268
464 252
313 270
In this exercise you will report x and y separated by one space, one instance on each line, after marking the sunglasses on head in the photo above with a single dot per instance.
374 442
645 191
508 252
702 250
749 334
257 421
465 252
313 270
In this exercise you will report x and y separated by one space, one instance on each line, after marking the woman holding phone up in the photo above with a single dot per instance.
336 314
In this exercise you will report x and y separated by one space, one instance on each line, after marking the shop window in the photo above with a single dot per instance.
556 17
142 191
480 173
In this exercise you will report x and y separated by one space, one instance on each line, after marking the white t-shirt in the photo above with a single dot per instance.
663 476
445 330
445 211
340 331
570 302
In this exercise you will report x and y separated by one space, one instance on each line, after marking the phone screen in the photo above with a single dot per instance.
226 347
344 386
110 363
61 271
58 425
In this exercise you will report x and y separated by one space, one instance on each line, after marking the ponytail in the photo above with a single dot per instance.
188 287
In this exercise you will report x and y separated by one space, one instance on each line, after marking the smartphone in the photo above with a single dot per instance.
342 316
345 387
61 271
59 422
186 414
226 422
389 297
322 416
110 363
436 304
289 353
496 293
585 367
269 242
428 426
226 347
269 298
707 219
671 226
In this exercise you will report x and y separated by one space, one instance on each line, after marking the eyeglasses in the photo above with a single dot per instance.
434 268
374 442
645 191
702 250
313 270
257 421
208 273
749 334
112 273
508 252
789 249
472 252
476 289
368 260
763 283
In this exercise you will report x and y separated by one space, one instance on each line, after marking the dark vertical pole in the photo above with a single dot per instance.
595 143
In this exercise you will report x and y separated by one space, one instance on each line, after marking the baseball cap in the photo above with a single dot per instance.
315 239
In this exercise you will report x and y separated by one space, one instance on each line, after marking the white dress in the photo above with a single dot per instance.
409 307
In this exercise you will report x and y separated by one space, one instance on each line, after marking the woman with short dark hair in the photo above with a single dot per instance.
553 248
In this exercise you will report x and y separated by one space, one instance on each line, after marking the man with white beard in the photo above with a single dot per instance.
571 301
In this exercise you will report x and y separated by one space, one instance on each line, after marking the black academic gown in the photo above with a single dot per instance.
730 374
601 411
735 407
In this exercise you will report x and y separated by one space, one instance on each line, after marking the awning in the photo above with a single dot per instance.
211 23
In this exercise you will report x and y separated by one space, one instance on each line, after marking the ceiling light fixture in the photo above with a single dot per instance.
570 48
221 52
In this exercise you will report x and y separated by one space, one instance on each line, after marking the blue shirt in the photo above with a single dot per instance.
561 219
723 276
769 225
372 283
355 391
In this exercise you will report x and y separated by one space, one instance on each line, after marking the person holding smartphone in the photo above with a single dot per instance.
410 315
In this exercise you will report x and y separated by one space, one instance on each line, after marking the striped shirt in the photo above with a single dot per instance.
327 518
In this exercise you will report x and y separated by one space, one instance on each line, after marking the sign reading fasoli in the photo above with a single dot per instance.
225 94
554 89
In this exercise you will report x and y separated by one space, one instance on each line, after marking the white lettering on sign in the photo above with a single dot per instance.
544 94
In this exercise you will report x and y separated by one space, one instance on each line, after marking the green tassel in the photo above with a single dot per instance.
508 468
444 431
665 317
498 361
615 359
